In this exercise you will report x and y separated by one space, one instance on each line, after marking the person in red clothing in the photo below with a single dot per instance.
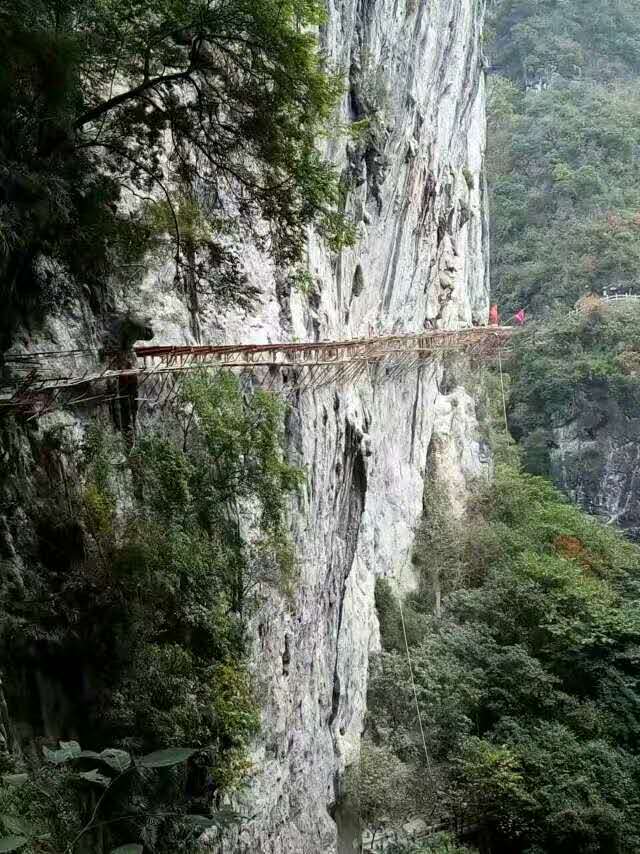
494 317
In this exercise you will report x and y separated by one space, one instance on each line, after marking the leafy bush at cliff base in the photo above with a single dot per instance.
83 801
574 365
528 684
139 581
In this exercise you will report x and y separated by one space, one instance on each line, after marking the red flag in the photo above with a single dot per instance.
519 317
494 317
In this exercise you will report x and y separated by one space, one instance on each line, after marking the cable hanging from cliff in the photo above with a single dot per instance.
415 696
402 620
504 397
413 686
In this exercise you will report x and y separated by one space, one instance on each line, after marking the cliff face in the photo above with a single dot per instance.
416 187
414 181
596 462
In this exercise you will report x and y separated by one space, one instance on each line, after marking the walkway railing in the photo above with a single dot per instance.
151 372
620 297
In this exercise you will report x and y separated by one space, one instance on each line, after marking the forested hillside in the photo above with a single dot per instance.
527 681
563 150
505 705
564 175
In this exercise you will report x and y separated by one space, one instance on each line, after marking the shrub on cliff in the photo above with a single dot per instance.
138 575
573 366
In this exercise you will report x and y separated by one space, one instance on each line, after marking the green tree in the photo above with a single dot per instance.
138 580
81 800
527 684
537 39
573 364
561 151
99 97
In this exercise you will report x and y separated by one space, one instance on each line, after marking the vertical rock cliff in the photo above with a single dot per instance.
412 174
596 462
414 182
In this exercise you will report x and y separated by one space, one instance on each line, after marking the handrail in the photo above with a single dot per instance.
323 363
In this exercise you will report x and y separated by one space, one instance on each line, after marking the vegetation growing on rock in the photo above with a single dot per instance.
216 104
127 628
574 366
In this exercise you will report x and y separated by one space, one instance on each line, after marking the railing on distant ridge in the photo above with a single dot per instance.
618 297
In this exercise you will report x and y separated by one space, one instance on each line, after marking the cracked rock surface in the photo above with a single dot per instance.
415 185
417 190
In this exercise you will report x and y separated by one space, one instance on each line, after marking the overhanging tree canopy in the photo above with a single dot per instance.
227 96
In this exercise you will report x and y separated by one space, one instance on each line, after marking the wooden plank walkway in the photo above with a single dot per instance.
154 370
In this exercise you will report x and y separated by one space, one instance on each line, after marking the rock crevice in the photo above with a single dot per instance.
417 193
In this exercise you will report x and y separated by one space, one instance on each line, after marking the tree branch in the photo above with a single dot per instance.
129 95
92 821
157 180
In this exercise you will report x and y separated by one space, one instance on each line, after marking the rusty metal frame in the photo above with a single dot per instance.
326 362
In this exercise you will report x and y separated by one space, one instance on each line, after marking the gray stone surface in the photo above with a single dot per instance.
422 255
596 462
417 190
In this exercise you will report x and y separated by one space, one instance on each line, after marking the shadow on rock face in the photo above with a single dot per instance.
123 329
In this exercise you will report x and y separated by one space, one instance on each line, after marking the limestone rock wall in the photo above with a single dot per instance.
596 462
416 188
414 182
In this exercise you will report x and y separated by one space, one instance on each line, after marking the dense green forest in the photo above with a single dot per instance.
562 150
523 630
565 210
527 682
125 623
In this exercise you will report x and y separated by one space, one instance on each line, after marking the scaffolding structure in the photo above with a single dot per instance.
151 374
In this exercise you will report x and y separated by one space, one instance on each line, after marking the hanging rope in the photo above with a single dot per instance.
415 692
404 628
413 683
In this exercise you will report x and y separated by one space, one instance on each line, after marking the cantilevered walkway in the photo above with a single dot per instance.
36 381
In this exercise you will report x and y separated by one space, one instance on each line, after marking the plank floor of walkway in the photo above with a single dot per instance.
314 363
